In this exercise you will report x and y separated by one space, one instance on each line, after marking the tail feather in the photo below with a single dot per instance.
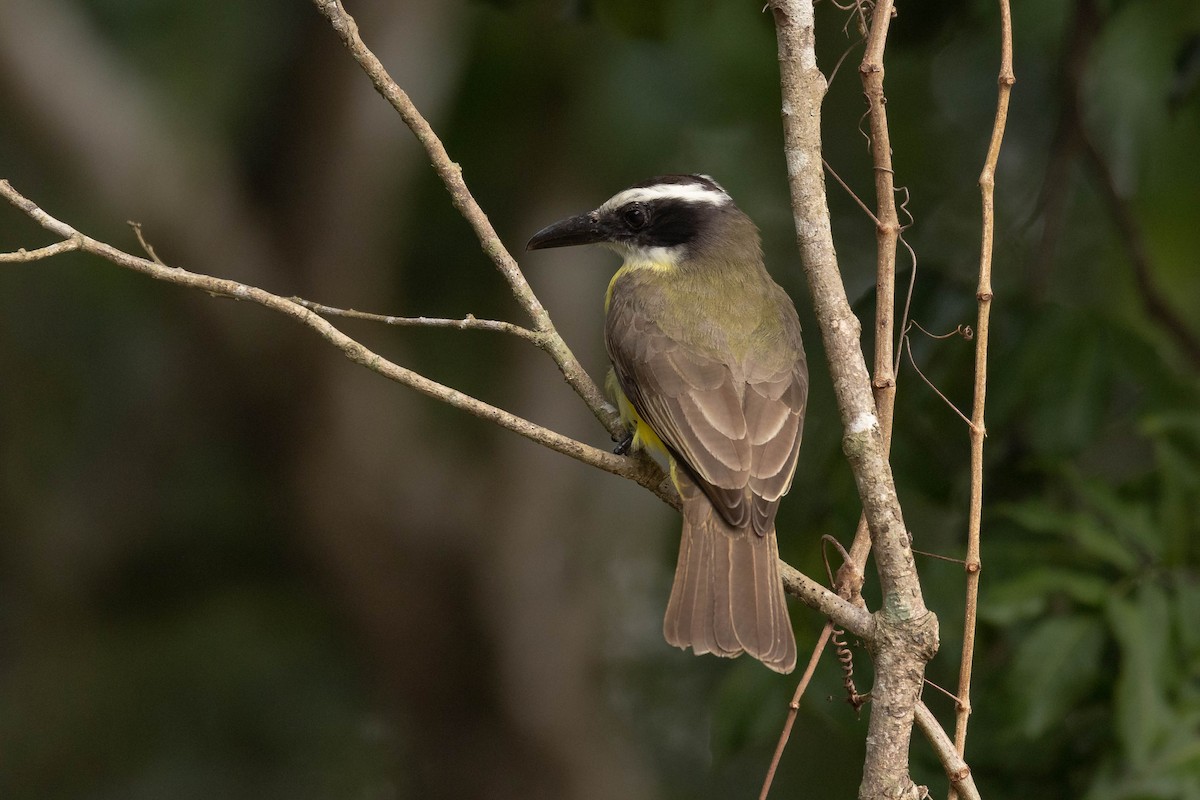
728 596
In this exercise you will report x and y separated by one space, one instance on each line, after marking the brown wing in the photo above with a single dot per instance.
774 407
733 434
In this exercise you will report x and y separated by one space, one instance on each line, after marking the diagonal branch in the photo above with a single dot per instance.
642 471
451 174
810 592
957 770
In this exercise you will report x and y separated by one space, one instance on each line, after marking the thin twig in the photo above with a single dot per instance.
862 536
137 231
938 556
908 295
838 66
978 429
887 230
794 707
451 174
961 330
912 361
848 584
467 323
853 195
23 256
944 691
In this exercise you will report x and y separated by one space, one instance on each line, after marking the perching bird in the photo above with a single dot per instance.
708 368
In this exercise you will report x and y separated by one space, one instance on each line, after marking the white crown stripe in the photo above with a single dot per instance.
687 192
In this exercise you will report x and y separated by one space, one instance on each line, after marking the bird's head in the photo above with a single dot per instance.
665 220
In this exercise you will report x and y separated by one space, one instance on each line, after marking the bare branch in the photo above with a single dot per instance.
467 323
887 230
912 361
957 770
847 615
794 707
137 231
451 175
22 255
905 630
640 470
978 430
851 192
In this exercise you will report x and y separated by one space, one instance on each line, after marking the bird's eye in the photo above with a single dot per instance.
635 217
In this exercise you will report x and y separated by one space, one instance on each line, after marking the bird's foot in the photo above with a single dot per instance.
624 444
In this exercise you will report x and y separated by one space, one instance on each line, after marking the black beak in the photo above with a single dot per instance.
583 229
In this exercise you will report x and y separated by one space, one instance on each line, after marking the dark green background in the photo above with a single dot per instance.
233 564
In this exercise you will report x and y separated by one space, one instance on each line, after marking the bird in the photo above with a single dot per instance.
708 370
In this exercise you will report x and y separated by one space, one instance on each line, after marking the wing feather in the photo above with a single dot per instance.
735 427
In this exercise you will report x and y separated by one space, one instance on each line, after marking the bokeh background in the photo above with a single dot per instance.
233 564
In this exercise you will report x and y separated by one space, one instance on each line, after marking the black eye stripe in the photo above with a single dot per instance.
661 223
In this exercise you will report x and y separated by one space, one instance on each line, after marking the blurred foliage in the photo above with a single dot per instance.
173 621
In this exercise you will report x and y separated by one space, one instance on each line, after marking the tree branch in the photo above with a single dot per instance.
957 770
810 592
451 175
905 630
642 471
23 256
887 232
978 430
794 707
467 323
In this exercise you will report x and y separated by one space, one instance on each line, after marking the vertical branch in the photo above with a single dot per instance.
987 181
887 230
906 631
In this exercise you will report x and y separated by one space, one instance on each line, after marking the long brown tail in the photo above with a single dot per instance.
728 597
